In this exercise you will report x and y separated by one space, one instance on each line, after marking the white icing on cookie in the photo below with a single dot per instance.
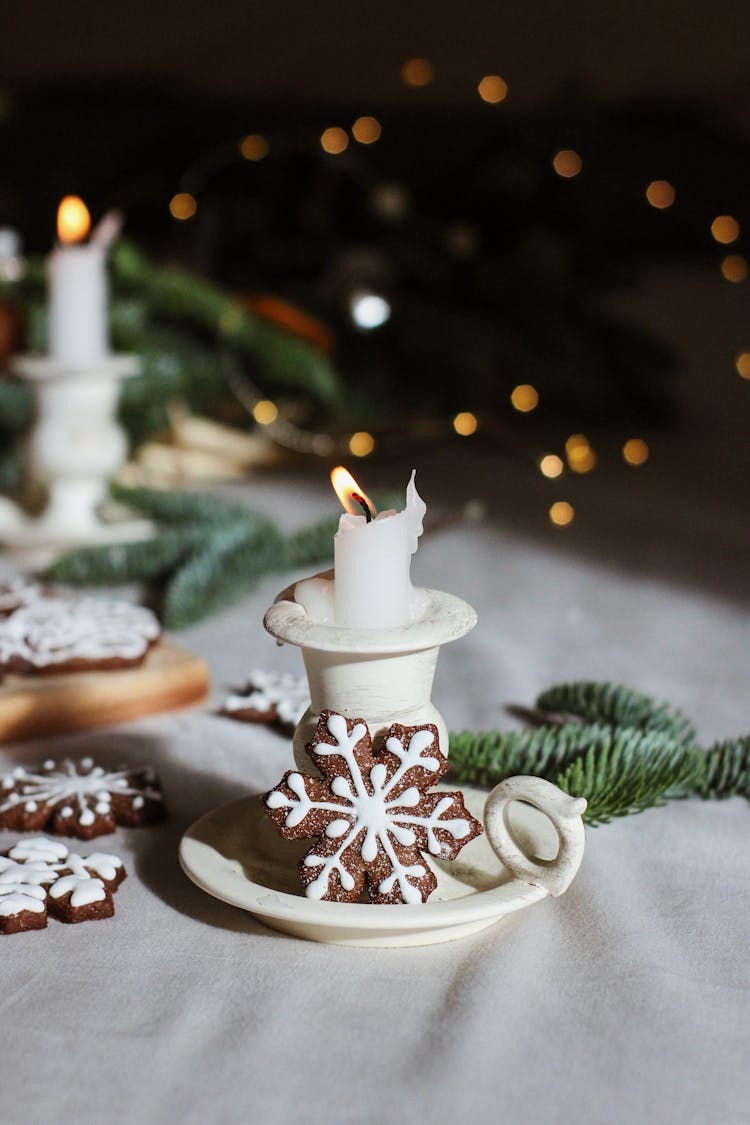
18 591
55 631
38 867
286 695
74 792
375 813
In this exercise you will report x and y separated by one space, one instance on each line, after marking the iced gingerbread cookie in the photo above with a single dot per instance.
371 812
16 592
78 798
75 634
270 697
40 878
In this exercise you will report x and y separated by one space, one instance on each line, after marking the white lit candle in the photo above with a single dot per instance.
372 586
77 282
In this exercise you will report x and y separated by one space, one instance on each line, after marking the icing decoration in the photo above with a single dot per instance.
38 870
52 632
371 812
270 697
18 591
77 798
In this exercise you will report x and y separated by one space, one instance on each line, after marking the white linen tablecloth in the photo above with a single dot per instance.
627 1000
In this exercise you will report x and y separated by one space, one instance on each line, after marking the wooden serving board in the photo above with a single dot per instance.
168 679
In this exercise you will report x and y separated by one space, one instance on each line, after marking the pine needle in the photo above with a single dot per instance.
726 769
601 702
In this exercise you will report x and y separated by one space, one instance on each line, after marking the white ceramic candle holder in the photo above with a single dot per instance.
534 835
383 676
76 447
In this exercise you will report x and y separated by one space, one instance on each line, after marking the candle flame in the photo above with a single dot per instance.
345 486
73 220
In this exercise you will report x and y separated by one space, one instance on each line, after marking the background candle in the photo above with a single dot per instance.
372 586
77 282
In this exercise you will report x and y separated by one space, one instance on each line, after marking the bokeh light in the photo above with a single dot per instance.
254 146
493 89
183 205
524 398
561 513
635 451
734 267
725 229
581 457
567 163
366 130
334 140
465 423
742 363
265 412
660 194
551 466
418 72
361 444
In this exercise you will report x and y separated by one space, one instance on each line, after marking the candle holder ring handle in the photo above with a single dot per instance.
565 812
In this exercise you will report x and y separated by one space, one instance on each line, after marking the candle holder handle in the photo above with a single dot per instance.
565 812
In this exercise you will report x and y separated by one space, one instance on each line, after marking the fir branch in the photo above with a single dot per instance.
486 757
726 770
601 702
169 507
629 770
16 405
312 544
146 560
236 557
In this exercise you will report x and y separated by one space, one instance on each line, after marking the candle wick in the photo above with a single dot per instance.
359 499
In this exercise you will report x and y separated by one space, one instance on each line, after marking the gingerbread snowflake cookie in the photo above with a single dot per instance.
78 798
40 878
18 591
74 634
371 812
276 698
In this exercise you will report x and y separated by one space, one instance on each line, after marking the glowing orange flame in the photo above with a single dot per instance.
73 219
345 486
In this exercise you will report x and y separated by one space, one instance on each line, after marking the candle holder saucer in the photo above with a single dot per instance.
76 446
532 848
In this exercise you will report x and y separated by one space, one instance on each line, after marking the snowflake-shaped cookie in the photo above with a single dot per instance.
39 877
371 812
73 634
78 798
18 591
270 697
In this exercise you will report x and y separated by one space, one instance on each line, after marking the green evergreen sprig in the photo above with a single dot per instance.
614 703
635 752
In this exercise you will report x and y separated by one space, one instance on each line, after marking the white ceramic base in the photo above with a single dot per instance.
236 854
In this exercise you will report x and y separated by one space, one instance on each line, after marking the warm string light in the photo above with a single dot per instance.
183 205
742 364
418 72
253 147
493 89
635 451
734 268
361 444
561 513
660 194
551 466
581 457
567 163
465 424
334 140
265 412
725 229
524 398
366 130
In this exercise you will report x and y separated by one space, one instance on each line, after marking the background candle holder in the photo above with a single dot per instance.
76 447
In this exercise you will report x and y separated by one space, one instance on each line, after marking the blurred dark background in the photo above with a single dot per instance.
524 240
